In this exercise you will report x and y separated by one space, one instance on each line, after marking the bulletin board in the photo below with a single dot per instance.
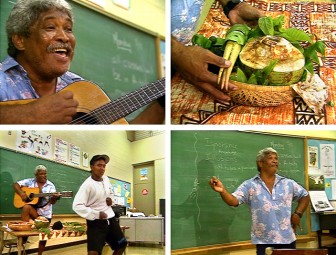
121 192
321 166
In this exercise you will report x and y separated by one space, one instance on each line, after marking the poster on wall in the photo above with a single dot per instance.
74 155
85 159
35 142
313 156
327 158
144 174
61 151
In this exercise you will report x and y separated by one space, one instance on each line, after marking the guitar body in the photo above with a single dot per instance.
89 97
95 107
34 196
19 203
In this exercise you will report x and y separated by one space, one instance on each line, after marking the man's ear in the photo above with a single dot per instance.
18 41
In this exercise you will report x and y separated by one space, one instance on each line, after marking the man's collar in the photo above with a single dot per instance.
9 63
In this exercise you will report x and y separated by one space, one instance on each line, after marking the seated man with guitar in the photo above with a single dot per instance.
41 47
31 207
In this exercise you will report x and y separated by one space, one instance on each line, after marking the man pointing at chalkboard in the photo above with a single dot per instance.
269 197
41 47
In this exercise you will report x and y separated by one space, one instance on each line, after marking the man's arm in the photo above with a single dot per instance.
302 205
228 198
55 109
299 210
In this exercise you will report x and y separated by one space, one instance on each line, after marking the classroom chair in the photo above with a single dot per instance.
12 243
299 252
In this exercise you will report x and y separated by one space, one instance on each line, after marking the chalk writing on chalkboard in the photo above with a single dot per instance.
196 210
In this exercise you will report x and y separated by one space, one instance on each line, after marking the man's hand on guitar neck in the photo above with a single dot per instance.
54 109
56 196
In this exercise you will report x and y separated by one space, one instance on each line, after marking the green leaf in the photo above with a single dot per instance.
266 25
202 41
237 37
309 66
278 23
252 79
238 76
268 69
297 35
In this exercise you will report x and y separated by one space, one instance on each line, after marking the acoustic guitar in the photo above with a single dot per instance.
95 107
34 195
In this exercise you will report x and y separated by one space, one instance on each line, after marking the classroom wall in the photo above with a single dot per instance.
309 133
147 14
152 149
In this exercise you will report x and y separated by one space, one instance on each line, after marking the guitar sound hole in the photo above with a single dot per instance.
84 118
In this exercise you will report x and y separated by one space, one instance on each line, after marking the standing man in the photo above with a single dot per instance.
94 203
44 206
41 46
269 197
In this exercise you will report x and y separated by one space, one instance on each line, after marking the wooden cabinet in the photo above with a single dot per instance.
144 229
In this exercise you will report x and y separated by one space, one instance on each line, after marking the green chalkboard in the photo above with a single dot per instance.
16 166
199 217
117 57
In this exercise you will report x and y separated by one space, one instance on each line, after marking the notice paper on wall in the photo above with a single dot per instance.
320 201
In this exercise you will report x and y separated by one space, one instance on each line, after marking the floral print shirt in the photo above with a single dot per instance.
15 84
271 213
48 187
184 18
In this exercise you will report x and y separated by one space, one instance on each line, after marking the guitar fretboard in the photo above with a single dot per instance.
126 104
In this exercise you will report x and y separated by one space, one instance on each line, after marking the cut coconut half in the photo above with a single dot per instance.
259 52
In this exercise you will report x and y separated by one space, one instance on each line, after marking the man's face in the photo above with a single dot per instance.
41 176
270 163
48 51
98 169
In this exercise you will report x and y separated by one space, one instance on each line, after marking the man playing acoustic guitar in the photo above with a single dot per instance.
41 47
43 206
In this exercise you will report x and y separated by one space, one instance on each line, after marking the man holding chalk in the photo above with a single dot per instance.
269 197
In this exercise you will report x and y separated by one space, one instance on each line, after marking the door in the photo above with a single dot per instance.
144 188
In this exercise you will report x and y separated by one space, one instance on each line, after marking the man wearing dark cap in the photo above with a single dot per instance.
94 203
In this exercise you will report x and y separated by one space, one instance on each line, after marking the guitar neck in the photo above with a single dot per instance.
44 194
129 103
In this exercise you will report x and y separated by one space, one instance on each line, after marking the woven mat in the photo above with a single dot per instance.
191 106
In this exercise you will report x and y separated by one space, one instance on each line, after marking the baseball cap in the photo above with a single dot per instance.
98 157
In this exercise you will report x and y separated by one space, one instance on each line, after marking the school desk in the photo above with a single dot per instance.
327 222
300 252
189 105
18 234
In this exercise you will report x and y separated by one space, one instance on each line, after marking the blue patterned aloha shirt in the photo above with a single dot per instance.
15 84
184 18
48 187
271 213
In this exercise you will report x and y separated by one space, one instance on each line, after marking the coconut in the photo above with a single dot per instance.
41 222
259 52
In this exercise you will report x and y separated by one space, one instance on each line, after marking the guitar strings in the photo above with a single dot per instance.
106 116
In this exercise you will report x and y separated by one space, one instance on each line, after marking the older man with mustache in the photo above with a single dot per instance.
41 47
269 197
